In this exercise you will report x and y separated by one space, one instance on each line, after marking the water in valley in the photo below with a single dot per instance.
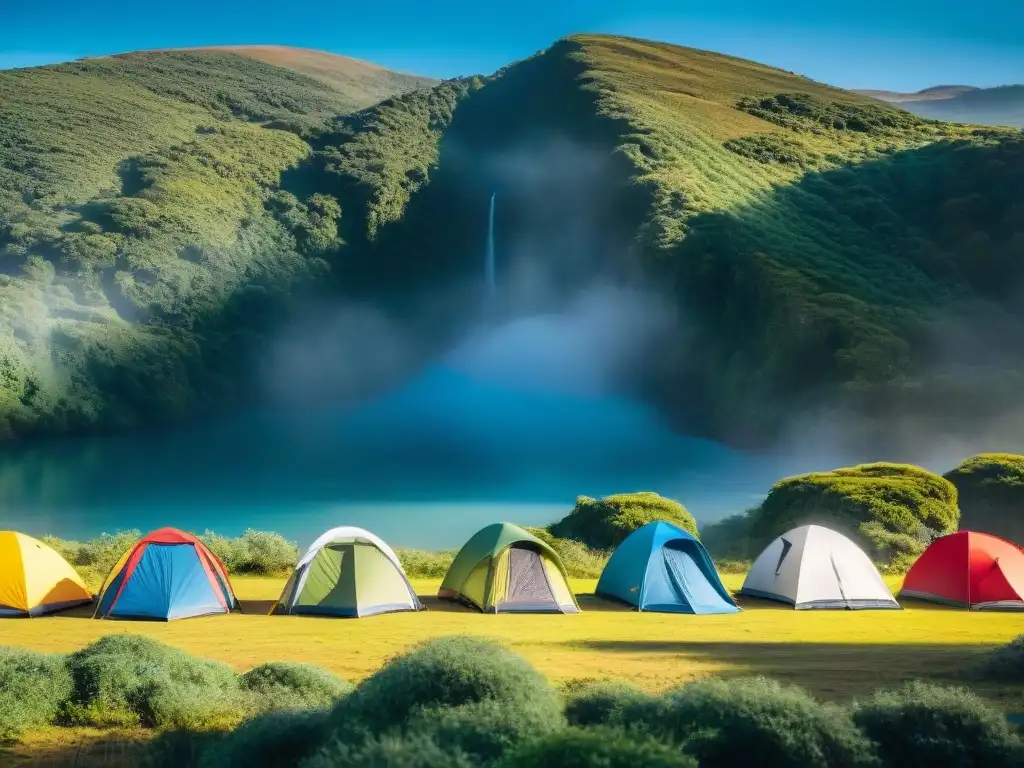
424 465
512 424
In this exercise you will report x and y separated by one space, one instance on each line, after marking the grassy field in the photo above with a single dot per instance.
835 655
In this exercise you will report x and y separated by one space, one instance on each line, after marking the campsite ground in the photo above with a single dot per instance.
835 654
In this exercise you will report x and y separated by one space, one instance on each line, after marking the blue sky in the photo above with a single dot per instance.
896 44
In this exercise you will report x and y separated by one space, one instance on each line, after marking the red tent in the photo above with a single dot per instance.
971 570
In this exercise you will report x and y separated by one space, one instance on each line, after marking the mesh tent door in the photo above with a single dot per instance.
528 587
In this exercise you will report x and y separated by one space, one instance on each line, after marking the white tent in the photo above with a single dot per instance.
348 572
814 567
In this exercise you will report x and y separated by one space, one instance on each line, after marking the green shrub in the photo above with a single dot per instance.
722 723
388 751
990 488
604 524
602 702
803 112
261 553
894 510
270 740
445 672
33 687
728 539
580 561
284 685
94 559
420 564
486 730
773 148
179 748
597 748
128 680
1006 664
923 725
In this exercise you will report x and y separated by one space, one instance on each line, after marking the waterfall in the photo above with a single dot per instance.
489 262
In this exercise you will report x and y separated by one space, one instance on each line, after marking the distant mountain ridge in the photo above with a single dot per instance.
926 94
1001 105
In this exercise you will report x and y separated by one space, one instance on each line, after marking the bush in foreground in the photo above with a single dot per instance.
603 702
284 685
486 730
128 680
724 722
597 748
1006 664
179 748
933 726
446 672
270 740
390 751
603 524
33 687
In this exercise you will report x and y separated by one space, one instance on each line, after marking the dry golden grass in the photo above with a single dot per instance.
354 77
75 748
834 654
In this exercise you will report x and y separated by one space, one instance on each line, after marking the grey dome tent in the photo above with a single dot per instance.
815 567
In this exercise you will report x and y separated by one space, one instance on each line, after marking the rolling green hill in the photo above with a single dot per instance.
1003 105
138 249
826 250
363 82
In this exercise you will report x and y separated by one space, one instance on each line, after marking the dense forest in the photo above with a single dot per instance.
162 214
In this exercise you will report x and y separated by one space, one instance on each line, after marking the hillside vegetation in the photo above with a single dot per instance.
831 252
362 82
604 524
991 494
141 254
893 511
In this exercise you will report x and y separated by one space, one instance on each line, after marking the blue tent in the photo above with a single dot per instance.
660 567
167 575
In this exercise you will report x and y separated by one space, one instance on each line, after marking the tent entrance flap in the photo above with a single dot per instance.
528 588
329 580
675 582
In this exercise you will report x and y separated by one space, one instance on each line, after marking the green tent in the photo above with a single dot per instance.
504 569
348 572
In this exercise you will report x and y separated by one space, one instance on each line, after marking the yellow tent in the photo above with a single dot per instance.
34 579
